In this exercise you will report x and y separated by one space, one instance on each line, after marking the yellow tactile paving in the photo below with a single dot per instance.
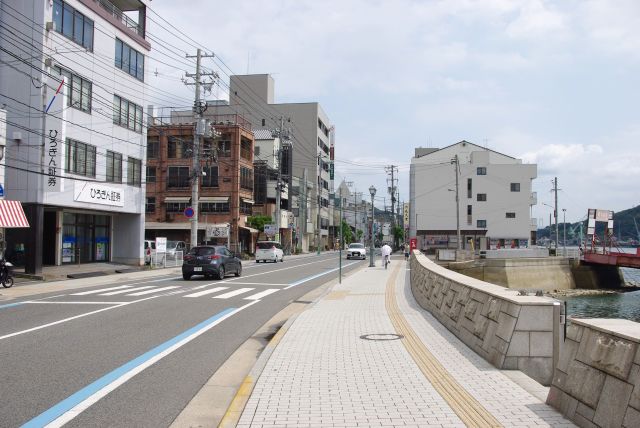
468 409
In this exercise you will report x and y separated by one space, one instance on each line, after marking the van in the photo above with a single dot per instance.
149 250
269 251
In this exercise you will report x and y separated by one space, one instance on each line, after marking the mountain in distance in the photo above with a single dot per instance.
625 230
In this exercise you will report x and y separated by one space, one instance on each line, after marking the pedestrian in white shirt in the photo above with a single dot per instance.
386 254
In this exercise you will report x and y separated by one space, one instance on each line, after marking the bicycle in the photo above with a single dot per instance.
387 260
6 273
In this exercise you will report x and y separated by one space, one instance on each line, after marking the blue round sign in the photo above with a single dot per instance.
188 212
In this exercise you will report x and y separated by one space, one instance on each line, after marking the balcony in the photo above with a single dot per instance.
533 199
119 15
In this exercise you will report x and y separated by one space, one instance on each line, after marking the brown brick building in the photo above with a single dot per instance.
226 186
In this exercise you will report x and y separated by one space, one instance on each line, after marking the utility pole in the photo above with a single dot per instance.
392 190
555 209
456 162
319 169
198 108
303 215
281 134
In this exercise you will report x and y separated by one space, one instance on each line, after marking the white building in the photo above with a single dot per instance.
495 198
252 97
78 167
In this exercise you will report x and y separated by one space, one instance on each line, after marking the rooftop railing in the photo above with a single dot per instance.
122 17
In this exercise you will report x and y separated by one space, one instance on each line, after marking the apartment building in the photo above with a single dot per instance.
226 183
494 193
77 168
312 134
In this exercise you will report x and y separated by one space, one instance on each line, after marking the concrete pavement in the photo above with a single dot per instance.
366 354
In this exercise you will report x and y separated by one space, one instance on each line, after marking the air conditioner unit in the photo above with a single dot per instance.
49 62
50 25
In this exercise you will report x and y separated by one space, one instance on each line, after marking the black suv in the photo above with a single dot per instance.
210 260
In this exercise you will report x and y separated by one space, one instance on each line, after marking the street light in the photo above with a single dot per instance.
372 191
564 232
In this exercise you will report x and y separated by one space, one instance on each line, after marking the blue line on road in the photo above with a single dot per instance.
10 305
318 275
70 402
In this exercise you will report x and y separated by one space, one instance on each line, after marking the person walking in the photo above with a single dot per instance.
406 252
386 254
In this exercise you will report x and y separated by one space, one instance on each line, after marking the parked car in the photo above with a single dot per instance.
149 250
210 260
356 251
173 246
269 251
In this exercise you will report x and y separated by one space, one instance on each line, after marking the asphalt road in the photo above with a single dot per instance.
135 353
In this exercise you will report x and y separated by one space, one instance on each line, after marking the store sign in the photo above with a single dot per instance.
95 193
161 245
216 231
53 140
406 213
270 229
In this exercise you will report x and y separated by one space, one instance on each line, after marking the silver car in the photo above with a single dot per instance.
356 251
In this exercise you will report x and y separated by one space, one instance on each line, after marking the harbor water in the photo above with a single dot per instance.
618 305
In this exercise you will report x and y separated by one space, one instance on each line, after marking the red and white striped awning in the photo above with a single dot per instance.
12 215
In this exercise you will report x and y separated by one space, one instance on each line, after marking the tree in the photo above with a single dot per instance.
347 235
398 234
359 234
258 221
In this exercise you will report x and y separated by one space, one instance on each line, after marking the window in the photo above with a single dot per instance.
469 215
134 172
224 147
245 149
481 224
469 209
176 207
178 176
153 146
81 158
469 188
150 206
210 176
151 174
214 207
256 151
172 149
72 24
511 215
114 167
482 197
129 60
246 178
178 149
245 208
515 187
78 90
263 122
127 114
481 170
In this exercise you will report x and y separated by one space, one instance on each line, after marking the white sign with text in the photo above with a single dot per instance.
96 193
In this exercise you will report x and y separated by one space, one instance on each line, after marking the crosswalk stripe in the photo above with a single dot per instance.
262 294
205 292
233 293
84 293
113 293
155 290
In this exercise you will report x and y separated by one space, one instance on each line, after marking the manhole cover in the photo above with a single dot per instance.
382 336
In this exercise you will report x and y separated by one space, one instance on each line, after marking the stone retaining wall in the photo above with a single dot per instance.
597 379
508 330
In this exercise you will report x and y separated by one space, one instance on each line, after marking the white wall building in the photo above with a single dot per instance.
78 168
495 198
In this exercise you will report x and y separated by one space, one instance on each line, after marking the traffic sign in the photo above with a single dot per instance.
188 212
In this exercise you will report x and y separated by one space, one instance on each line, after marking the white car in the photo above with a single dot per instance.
356 251
269 251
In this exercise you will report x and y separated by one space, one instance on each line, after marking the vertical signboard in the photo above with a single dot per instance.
405 213
54 140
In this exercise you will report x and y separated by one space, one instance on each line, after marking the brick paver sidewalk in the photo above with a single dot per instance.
339 364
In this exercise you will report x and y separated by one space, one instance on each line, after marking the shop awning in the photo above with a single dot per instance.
218 199
248 201
12 215
177 199
250 229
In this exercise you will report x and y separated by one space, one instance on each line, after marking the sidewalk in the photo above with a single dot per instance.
367 355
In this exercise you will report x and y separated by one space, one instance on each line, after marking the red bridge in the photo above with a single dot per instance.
612 258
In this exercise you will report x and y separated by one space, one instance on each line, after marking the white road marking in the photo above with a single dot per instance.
85 293
258 283
232 293
113 293
205 292
262 294
155 290
40 327
96 396
204 286
77 302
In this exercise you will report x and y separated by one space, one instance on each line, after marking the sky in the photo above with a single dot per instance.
555 83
